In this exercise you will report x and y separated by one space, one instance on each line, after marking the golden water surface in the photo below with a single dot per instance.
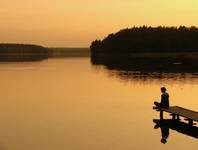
68 104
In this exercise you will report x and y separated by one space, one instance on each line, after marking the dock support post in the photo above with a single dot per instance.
177 117
161 114
190 121
174 116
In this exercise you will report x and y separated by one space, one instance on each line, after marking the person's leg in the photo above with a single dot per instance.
157 104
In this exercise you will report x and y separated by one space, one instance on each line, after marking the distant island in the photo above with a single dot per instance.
22 52
31 52
148 39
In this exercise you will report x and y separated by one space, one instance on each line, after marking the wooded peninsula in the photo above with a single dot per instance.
165 49
148 40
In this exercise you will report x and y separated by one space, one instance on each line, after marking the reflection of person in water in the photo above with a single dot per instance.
164 132
164 99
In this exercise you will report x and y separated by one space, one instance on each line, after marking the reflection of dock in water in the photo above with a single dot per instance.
178 126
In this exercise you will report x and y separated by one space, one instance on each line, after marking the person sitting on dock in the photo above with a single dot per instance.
164 100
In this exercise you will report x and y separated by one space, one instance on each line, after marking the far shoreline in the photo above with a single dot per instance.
69 52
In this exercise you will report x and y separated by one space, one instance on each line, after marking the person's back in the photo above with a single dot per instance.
165 99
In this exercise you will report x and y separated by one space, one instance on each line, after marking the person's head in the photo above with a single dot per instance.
163 89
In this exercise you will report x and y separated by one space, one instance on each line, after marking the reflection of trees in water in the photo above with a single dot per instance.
154 76
149 77
142 71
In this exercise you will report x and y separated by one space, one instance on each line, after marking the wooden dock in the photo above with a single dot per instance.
178 112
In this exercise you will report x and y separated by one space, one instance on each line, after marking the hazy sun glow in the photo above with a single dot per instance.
76 23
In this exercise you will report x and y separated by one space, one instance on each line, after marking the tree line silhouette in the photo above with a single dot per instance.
148 39
22 49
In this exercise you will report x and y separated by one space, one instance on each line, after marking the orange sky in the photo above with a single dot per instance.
75 23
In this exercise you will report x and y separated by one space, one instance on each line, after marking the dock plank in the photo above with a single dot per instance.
182 112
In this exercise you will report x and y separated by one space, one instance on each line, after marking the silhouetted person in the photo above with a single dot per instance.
164 100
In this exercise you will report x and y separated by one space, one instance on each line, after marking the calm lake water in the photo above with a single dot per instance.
69 104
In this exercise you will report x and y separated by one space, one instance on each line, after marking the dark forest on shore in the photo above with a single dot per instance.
161 49
148 39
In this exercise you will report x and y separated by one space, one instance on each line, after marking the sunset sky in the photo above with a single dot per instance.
75 23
